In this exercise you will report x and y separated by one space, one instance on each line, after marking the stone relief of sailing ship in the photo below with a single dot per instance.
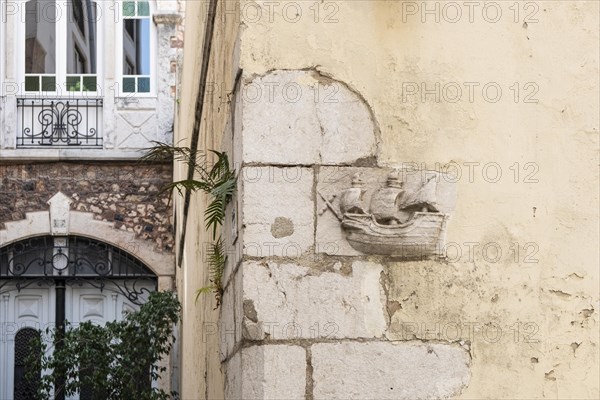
395 222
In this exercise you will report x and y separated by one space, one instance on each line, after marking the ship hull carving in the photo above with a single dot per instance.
418 237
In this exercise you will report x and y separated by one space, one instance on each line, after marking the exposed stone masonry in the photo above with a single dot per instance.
304 314
126 194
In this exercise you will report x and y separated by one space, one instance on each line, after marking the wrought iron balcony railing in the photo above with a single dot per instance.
59 123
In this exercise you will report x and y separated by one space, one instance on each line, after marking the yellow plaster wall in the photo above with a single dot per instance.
549 210
200 370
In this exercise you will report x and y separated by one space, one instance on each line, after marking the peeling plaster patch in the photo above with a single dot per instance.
393 306
282 227
560 293
587 312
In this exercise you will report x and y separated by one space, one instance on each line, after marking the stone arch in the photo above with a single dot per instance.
304 117
84 224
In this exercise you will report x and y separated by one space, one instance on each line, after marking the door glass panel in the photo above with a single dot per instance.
40 37
24 388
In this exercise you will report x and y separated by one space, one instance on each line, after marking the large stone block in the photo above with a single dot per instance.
302 117
270 372
277 209
388 370
289 301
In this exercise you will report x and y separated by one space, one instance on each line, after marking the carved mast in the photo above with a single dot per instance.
386 202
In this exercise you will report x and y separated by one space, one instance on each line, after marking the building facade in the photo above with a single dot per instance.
85 232
471 129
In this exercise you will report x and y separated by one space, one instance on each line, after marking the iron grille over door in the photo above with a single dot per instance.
73 260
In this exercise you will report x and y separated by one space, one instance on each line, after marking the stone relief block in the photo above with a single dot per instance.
277 211
402 213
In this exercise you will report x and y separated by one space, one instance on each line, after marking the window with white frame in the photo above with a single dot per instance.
60 46
136 56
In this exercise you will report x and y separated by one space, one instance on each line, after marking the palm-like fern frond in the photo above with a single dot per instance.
219 182
216 262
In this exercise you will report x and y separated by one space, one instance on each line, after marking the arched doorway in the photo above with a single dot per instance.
47 280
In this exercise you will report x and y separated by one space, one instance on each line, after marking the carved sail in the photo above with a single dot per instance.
386 202
423 199
385 205
351 201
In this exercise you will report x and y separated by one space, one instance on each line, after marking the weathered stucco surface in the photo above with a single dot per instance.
513 307
200 374
542 292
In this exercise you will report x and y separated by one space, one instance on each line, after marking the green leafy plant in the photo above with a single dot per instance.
216 264
112 362
219 182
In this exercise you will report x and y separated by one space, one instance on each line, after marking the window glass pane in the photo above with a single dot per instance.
129 8
89 84
73 84
76 10
136 48
81 37
48 83
143 85
40 37
32 83
129 85
143 9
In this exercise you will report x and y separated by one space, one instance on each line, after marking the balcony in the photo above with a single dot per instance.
59 123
